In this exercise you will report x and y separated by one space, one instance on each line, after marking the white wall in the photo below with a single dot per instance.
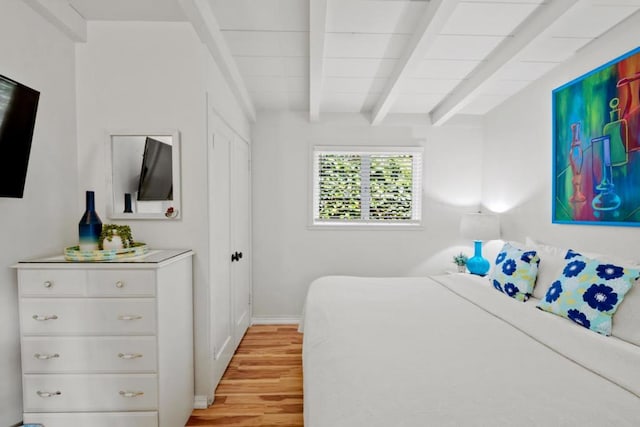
36 54
287 255
518 144
151 77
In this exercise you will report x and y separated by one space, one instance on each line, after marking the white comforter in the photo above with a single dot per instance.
412 352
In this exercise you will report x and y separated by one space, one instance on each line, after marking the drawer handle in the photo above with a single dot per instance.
48 393
119 284
44 317
129 317
128 356
46 356
131 393
48 284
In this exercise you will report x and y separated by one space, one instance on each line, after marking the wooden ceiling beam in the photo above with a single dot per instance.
317 29
206 25
63 16
428 28
524 35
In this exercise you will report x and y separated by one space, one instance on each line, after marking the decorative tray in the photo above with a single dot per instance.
73 253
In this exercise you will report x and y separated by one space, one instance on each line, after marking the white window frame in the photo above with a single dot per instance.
418 161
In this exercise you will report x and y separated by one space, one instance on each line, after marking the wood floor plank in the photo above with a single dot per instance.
262 387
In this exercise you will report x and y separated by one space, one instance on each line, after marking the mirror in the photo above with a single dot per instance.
143 175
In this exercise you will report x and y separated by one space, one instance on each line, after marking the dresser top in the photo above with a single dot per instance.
153 257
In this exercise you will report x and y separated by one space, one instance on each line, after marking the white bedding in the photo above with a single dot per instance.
401 352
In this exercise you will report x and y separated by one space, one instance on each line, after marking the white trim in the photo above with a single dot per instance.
202 402
267 320
363 226
391 149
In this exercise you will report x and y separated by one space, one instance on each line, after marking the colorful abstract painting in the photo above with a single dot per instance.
596 146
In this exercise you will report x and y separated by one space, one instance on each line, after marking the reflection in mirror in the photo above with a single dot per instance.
144 174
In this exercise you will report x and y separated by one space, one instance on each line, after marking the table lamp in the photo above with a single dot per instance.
479 226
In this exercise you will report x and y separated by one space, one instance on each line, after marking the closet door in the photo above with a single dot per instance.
221 327
241 240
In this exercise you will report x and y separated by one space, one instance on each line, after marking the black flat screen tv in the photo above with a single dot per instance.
156 177
18 107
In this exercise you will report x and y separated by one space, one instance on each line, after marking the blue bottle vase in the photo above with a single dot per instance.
90 226
477 264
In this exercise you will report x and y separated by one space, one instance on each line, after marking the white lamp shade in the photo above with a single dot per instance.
480 226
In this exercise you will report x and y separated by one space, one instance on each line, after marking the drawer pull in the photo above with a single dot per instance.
44 317
129 317
119 284
128 356
46 356
48 393
131 393
48 284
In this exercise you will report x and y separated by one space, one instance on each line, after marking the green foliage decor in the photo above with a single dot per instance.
460 259
124 231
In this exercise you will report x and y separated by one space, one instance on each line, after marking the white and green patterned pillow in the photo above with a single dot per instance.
514 273
589 292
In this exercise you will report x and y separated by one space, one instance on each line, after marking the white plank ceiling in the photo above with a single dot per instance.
380 57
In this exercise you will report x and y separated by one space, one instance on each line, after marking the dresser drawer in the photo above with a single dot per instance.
54 283
94 419
92 316
100 392
89 355
121 283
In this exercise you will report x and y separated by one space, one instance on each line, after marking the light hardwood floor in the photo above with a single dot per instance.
262 386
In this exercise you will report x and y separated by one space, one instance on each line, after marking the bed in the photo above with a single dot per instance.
451 351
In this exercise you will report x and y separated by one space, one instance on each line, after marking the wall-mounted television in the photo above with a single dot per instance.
18 107
156 177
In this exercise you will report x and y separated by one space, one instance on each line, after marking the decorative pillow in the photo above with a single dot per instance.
589 291
514 272
572 254
551 264
552 261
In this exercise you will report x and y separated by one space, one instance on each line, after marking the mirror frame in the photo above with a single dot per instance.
176 176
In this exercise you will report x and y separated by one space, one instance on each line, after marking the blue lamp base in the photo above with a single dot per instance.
477 264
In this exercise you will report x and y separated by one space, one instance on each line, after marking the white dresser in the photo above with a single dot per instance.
107 343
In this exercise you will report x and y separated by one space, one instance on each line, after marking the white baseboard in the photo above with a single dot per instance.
275 320
202 402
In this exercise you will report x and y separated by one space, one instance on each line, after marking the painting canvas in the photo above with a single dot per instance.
596 146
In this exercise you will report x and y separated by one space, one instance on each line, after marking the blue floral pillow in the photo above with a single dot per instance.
589 291
514 273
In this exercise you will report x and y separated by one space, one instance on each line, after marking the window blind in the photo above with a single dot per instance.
381 186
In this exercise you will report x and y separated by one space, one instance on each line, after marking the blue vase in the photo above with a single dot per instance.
476 264
90 226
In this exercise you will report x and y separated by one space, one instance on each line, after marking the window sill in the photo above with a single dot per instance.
333 226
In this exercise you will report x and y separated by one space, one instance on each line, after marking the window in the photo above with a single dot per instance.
368 186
